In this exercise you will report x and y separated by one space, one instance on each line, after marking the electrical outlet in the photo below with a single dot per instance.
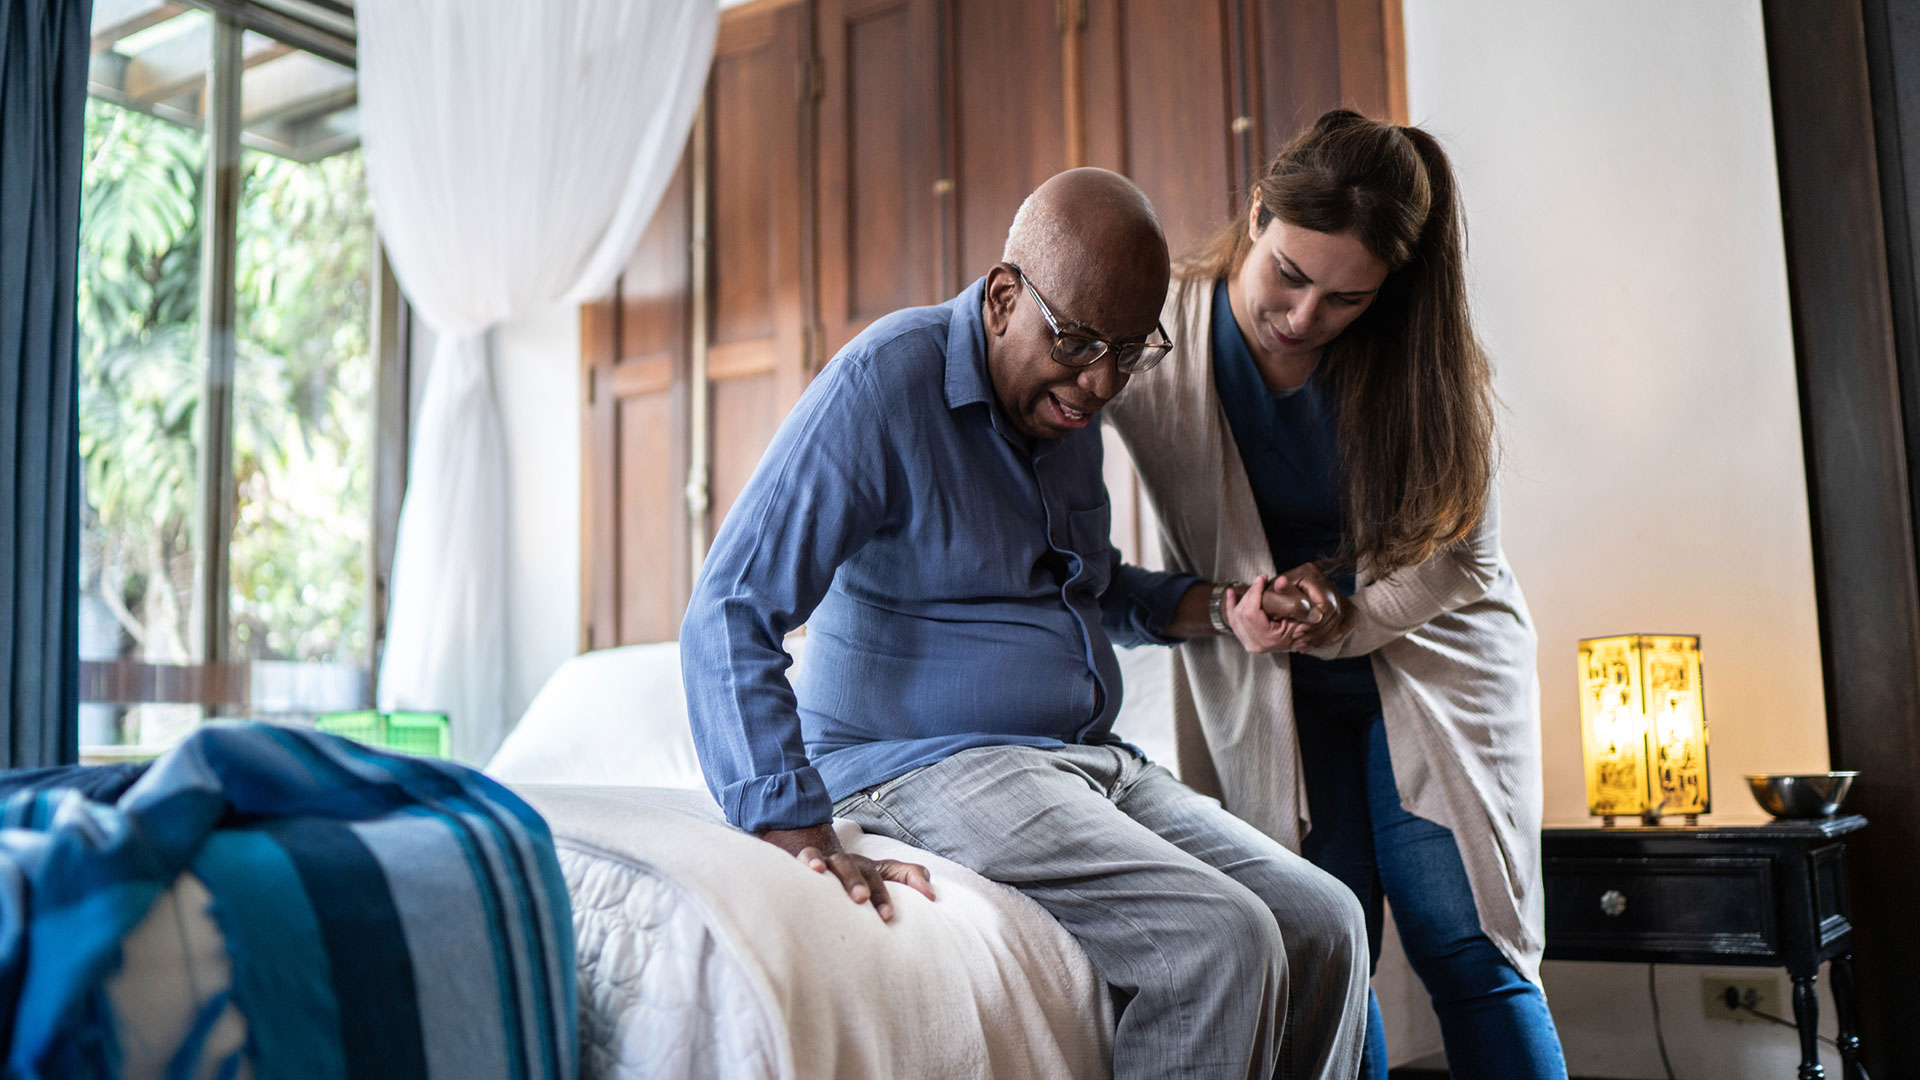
1721 995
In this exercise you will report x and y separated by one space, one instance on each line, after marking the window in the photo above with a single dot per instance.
229 372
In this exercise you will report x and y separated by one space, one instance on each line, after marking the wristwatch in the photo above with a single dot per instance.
1218 597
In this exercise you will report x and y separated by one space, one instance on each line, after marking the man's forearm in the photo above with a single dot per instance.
1190 618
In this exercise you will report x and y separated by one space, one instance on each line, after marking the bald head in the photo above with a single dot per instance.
1088 221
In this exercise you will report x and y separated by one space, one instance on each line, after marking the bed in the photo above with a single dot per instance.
704 952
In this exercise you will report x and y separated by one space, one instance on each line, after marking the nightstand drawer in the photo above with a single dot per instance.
1658 906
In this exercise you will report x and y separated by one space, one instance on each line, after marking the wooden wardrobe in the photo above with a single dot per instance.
858 156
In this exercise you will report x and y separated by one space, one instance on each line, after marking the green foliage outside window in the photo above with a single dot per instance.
303 438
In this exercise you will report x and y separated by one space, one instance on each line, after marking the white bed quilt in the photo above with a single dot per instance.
706 953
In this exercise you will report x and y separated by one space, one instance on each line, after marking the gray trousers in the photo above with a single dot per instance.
1234 957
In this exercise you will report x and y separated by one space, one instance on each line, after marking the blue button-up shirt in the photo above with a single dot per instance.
957 583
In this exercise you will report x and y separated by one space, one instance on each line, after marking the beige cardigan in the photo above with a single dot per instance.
1451 640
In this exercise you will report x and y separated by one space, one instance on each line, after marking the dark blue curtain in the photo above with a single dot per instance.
43 93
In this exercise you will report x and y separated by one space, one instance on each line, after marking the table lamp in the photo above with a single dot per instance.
1643 727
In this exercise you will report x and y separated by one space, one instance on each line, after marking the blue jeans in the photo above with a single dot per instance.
1493 1022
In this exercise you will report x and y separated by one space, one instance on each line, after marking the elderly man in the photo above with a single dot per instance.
934 511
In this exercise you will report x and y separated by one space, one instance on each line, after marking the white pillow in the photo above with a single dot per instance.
615 716
619 717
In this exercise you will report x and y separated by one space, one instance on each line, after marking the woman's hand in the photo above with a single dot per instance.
1266 616
1332 616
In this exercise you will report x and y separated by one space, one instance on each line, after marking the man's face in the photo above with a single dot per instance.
1044 398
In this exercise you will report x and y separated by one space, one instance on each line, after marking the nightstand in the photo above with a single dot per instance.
1770 894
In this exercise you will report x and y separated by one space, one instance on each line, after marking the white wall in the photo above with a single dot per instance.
1616 158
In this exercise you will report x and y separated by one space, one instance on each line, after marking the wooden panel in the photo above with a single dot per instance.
634 568
645 375
748 410
1866 585
881 162
740 360
649 388
1363 58
1160 107
1299 67
747 76
1010 123
652 583
1318 56
757 103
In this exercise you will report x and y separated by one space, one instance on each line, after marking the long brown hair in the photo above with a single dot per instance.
1411 385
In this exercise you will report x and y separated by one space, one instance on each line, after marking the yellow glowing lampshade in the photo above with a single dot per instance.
1643 725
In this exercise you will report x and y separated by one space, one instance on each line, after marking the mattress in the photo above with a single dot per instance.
660 995
703 952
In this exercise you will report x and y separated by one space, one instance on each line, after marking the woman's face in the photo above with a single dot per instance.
1301 288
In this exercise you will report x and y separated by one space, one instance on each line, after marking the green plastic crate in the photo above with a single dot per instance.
422 734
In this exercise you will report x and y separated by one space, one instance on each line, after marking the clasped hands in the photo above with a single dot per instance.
1297 611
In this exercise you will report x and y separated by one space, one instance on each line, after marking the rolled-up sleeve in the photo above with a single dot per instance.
817 497
1140 603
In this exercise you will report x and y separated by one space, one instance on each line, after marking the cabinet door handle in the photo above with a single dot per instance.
1613 902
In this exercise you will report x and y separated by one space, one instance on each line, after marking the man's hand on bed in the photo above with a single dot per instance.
819 848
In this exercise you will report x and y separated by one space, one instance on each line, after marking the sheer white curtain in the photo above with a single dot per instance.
514 152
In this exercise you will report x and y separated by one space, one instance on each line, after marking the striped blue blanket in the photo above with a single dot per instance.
385 916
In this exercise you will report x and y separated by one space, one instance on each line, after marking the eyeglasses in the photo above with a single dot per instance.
1084 350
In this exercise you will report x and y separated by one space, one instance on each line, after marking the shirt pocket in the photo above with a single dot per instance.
1090 531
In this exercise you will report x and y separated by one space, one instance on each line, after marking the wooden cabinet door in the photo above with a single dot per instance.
634 530
1161 105
882 161
1318 56
1010 119
757 112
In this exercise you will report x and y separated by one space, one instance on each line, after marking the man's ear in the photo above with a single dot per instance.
1002 288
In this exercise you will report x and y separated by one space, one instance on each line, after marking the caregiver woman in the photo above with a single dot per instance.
1326 407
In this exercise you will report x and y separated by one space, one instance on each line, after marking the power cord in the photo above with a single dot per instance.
1746 1003
1660 1036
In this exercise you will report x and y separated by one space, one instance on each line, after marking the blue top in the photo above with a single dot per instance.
957 584
1289 444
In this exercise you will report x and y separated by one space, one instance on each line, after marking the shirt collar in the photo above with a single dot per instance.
967 380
